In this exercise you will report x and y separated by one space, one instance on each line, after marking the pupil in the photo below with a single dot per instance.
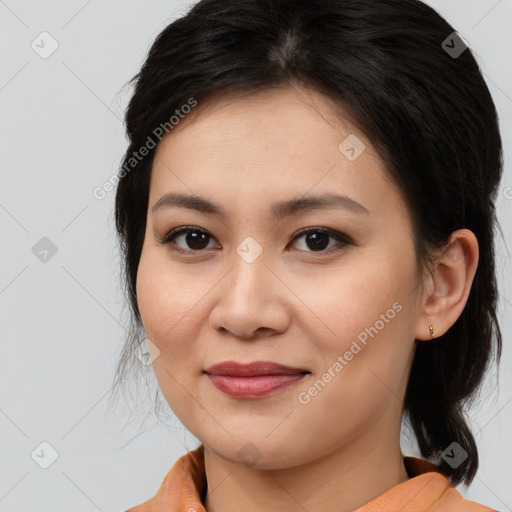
316 238
196 237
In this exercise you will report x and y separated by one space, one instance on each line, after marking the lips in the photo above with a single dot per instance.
254 380
234 369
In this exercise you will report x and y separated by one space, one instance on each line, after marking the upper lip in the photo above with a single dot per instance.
252 369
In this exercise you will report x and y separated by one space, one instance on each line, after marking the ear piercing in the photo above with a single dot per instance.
431 329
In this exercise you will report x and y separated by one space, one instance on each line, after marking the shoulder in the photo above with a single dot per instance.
452 500
185 483
449 498
427 489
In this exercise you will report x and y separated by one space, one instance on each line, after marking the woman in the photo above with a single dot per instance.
259 129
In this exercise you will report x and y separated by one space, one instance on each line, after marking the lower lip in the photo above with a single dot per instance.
253 387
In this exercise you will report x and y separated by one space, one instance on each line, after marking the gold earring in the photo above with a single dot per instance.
431 329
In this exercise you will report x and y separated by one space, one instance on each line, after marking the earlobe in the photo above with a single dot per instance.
452 279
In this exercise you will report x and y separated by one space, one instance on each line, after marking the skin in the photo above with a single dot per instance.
293 305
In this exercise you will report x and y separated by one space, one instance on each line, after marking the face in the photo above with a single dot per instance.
329 289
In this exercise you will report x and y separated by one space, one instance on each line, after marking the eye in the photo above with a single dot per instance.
195 238
317 238
198 239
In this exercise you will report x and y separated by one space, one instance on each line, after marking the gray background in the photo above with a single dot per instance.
63 320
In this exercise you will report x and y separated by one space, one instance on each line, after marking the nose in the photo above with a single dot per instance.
250 301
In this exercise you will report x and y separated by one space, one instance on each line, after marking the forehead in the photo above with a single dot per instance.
285 141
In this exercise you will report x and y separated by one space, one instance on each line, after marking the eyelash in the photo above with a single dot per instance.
342 239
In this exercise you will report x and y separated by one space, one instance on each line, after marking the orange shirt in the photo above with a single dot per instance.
184 489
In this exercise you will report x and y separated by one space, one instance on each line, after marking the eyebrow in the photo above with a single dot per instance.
278 210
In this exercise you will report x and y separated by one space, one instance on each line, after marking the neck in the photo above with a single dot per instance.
332 482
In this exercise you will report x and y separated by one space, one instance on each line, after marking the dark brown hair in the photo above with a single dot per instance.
427 111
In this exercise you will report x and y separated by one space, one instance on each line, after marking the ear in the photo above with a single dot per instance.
447 286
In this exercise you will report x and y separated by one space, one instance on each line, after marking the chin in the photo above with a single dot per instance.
257 452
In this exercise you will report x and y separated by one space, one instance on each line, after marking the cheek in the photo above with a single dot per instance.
347 299
170 306
167 314
364 310
161 292
149 298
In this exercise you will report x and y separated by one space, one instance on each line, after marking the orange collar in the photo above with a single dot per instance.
184 488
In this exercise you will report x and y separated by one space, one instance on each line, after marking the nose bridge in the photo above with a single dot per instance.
249 276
